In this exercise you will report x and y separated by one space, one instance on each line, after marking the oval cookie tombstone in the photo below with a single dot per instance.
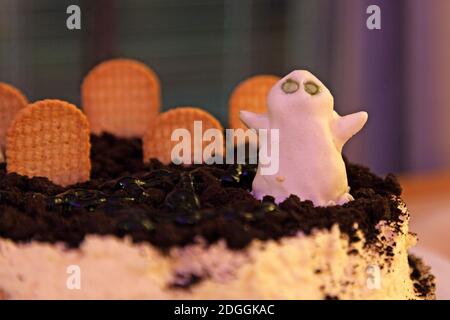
158 141
250 95
50 138
121 97
11 102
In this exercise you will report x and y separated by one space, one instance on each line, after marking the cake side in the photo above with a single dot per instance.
324 264
131 238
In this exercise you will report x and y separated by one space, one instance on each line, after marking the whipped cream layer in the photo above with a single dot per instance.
321 265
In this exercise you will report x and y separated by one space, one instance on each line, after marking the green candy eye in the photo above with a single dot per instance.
311 88
290 86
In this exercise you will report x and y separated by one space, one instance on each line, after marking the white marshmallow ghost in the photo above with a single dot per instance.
311 137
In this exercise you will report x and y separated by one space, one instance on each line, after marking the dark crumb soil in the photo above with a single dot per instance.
171 205
424 281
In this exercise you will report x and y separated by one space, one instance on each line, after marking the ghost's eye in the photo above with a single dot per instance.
311 88
290 86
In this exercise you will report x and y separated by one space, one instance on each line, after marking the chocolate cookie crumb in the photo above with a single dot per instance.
168 205
424 281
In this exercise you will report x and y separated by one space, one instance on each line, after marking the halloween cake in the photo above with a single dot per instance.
102 215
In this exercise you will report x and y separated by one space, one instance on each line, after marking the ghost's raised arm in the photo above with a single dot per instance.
254 120
347 126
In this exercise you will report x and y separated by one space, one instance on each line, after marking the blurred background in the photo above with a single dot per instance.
202 49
